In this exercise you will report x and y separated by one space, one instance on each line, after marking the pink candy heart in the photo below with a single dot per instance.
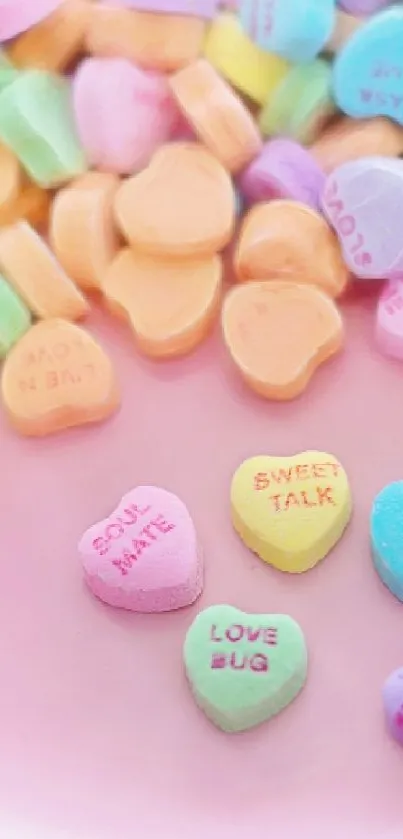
17 16
145 555
389 320
198 8
123 113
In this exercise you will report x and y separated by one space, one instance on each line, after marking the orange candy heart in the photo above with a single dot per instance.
82 229
287 240
54 42
182 205
217 114
278 333
56 377
170 305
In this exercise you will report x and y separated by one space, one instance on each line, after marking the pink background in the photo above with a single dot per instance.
99 734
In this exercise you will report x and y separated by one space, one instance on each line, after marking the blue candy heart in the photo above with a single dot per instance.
368 73
295 29
387 537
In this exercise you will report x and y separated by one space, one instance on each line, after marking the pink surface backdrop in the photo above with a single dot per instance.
99 734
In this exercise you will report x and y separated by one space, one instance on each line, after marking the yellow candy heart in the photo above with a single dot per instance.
291 510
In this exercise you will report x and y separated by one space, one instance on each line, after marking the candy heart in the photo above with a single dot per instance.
278 334
18 15
154 41
266 250
170 305
368 72
361 200
362 7
56 41
283 169
389 320
145 555
218 116
15 318
291 511
345 140
57 376
123 113
242 668
198 8
392 694
387 536
301 103
181 205
295 29
36 122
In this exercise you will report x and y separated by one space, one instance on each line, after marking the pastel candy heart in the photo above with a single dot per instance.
144 556
348 139
251 70
56 41
123 113
362 7
368 72
154 41
291 511
15 318
283 169
36 122
277 240
295 29
198 8
170 305
30 266
389 320
392 695
361 200
7 71
181 205
242 668
387 537
56 377
218 116
18 15
82 230
301 103
258 320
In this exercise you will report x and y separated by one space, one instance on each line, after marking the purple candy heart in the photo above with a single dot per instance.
197 8
362 7
283 169
392 695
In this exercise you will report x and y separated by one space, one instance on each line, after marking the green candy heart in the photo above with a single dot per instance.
244 669
7 72
36 123
15 318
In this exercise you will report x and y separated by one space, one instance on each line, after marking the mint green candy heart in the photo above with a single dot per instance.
15 318
36 122
244 669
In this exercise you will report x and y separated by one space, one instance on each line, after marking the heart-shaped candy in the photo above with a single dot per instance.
392 695
277 240
244 669
170 305
55 42
57 376
346 138
295 29
291 511
368 72
389 320
362 201
181 205
145 555
19 15
387 536
279 333
283 169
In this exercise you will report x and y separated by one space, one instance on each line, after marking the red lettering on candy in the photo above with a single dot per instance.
325 496
218 661
261 481
366 95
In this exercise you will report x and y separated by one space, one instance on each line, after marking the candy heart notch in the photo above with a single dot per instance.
244 669
182 204
291 511
144 556
392 695
368 72
361 200
389 320
387 536
56 377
